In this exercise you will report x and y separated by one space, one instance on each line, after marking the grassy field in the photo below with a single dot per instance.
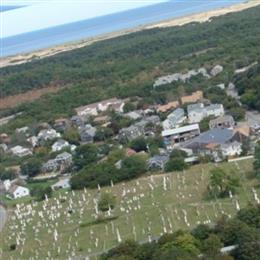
146 208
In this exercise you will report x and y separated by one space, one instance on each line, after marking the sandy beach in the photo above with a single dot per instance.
198 17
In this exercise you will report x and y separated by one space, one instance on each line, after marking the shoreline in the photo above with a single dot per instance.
179 21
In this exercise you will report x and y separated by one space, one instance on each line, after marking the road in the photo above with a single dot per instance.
3 217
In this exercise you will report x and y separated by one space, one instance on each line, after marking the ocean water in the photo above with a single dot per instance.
106 24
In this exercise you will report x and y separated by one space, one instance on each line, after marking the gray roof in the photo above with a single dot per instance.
215 135
195 107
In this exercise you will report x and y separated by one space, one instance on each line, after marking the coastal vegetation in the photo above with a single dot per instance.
128 65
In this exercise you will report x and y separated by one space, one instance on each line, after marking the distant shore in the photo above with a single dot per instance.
198 17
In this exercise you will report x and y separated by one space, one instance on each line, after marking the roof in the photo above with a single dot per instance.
168 106
183 129
222 119
243 130
213 136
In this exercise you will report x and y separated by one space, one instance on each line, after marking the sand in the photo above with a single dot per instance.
199 17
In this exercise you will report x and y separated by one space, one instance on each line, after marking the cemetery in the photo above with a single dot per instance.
71 224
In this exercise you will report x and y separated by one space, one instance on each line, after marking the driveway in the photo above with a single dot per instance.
3 216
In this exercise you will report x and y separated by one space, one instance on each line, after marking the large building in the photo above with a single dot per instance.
179 135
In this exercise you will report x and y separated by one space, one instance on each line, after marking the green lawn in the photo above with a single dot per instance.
147 209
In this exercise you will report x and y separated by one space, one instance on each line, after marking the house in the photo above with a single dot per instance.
222 122
5 139
102 120
130 152
87 133
33 141
145 127
48 134
130 133
3 147
134 114
193 98
77 121
59 145
179 135
61 124
157 162
174 119
22 130
215 142
197 112
216 70
20 151
167 107
16 191
64 158
50 166
231 149
95 108
214 110
61 184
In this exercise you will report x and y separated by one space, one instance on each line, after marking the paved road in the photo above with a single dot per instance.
3 216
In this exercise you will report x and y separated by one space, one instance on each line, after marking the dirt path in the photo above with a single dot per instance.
3 217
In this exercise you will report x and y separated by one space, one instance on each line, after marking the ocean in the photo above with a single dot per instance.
106 24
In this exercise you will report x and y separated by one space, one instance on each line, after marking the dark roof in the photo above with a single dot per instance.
215 135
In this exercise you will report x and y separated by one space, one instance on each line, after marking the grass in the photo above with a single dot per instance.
144 209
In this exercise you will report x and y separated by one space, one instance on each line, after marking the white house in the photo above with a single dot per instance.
20 151
174 119
16 192
231 149
59 145
61 184
197 112
48 134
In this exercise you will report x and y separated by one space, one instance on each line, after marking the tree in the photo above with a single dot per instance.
40 192
175 164
201 232
85 155
177 161
211 247
221 183
133 166
72 135
31 167
139 144
204 124
6 174
103 133
106 201
129 106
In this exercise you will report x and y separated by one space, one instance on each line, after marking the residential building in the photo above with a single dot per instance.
59 145
130 133
20 151
33 141
214 110
77 121
231 149
87 133
61 124
179 135
50 166
5 138
216 142
134 114
216 70
61 184
174 119
167 107
193 98
95 108
48 134
16 191
197 112
64 158
157 162
222 122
